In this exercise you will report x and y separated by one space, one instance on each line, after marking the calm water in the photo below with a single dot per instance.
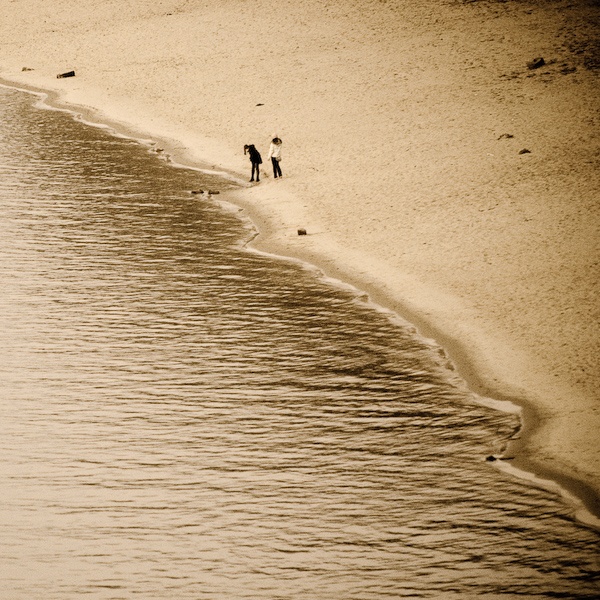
181 418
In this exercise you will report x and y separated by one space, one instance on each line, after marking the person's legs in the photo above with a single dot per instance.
255 168
276 166
276 169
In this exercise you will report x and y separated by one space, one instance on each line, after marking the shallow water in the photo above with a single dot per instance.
183 418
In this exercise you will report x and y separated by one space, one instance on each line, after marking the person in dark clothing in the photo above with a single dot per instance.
255 159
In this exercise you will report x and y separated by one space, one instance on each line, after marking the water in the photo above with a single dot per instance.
182 418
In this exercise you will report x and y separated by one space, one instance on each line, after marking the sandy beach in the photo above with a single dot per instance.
429 164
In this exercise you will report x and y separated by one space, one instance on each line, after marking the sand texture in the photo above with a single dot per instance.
403 126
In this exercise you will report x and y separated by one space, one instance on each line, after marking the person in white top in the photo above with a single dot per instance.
275 156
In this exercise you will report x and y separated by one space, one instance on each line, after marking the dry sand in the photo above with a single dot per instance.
402 123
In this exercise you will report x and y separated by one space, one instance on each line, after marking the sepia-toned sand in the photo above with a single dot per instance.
402 124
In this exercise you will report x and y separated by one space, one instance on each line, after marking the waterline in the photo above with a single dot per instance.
182 417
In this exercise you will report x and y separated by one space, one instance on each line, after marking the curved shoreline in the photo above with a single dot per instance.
424 157
581 496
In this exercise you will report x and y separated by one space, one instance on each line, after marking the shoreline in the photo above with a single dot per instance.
582 497
579 494
429 163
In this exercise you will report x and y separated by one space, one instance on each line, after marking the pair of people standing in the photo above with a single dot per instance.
256 159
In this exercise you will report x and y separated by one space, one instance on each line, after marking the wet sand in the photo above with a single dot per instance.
404 131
